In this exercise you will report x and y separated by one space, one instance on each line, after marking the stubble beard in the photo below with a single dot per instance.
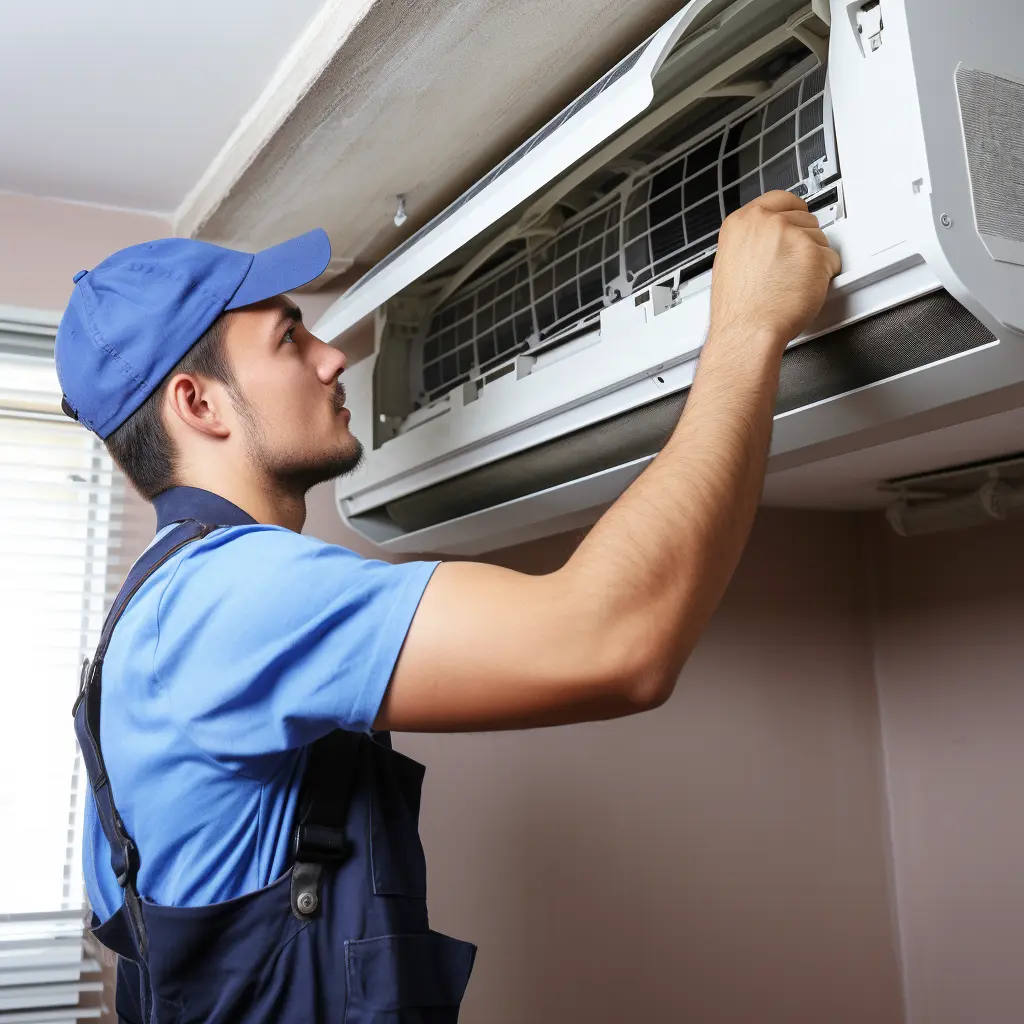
299 472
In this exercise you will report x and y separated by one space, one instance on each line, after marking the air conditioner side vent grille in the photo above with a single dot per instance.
991 112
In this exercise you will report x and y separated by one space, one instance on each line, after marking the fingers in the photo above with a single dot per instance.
794 210
808 223
817 235
780 202
801 218
835 262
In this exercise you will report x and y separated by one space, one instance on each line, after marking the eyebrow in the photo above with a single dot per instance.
289 313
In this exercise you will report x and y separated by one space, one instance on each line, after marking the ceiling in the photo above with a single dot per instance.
125 103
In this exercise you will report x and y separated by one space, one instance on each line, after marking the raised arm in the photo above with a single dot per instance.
608 634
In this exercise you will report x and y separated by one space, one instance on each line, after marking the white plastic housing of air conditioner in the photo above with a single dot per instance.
908 225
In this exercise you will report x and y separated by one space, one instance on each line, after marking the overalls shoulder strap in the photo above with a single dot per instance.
124 858
319 838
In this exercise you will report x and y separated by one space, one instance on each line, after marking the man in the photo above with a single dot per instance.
251 843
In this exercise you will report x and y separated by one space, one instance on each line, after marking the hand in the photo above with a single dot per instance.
771 272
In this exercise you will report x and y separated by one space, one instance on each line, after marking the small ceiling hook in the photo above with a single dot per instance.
400 215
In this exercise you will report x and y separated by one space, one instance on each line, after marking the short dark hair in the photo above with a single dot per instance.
141 446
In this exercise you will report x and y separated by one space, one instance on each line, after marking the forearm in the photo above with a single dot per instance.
656 565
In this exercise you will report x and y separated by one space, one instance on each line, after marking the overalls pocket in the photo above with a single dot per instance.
407 979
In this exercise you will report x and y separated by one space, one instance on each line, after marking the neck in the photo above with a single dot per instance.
265 501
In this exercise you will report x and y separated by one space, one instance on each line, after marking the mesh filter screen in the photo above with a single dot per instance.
920 332
664 217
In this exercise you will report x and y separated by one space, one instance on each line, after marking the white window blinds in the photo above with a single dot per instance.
69 528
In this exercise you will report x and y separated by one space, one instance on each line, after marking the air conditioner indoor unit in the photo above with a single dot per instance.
535 341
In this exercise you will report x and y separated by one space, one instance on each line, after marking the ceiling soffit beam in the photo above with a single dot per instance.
302 65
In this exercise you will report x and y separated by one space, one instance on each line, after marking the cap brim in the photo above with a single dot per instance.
284 267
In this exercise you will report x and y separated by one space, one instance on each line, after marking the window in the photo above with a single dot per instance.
64 540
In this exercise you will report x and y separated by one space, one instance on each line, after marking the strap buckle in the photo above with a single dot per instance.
305 890
130 853
319 844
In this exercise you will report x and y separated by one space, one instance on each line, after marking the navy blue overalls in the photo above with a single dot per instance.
341 936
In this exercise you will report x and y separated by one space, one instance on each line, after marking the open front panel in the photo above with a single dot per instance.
661 218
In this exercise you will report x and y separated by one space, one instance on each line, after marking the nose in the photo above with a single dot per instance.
331 363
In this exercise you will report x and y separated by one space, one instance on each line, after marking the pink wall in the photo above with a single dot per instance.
950 671
722 859
324 521
45 242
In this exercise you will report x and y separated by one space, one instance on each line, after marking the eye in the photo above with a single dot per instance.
289 336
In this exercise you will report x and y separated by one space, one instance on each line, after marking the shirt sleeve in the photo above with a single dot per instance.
267 640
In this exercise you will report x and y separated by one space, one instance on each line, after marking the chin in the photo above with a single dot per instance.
305 473
351 455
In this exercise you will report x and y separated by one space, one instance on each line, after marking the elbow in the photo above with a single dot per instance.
650 690
643 680
636 651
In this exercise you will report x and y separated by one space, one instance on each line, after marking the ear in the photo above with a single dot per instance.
199 404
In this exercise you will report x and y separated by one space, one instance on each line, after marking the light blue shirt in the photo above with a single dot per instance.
239 652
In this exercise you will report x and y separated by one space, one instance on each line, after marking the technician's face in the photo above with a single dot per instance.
293 415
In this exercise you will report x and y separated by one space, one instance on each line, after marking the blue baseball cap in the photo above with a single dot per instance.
132 318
